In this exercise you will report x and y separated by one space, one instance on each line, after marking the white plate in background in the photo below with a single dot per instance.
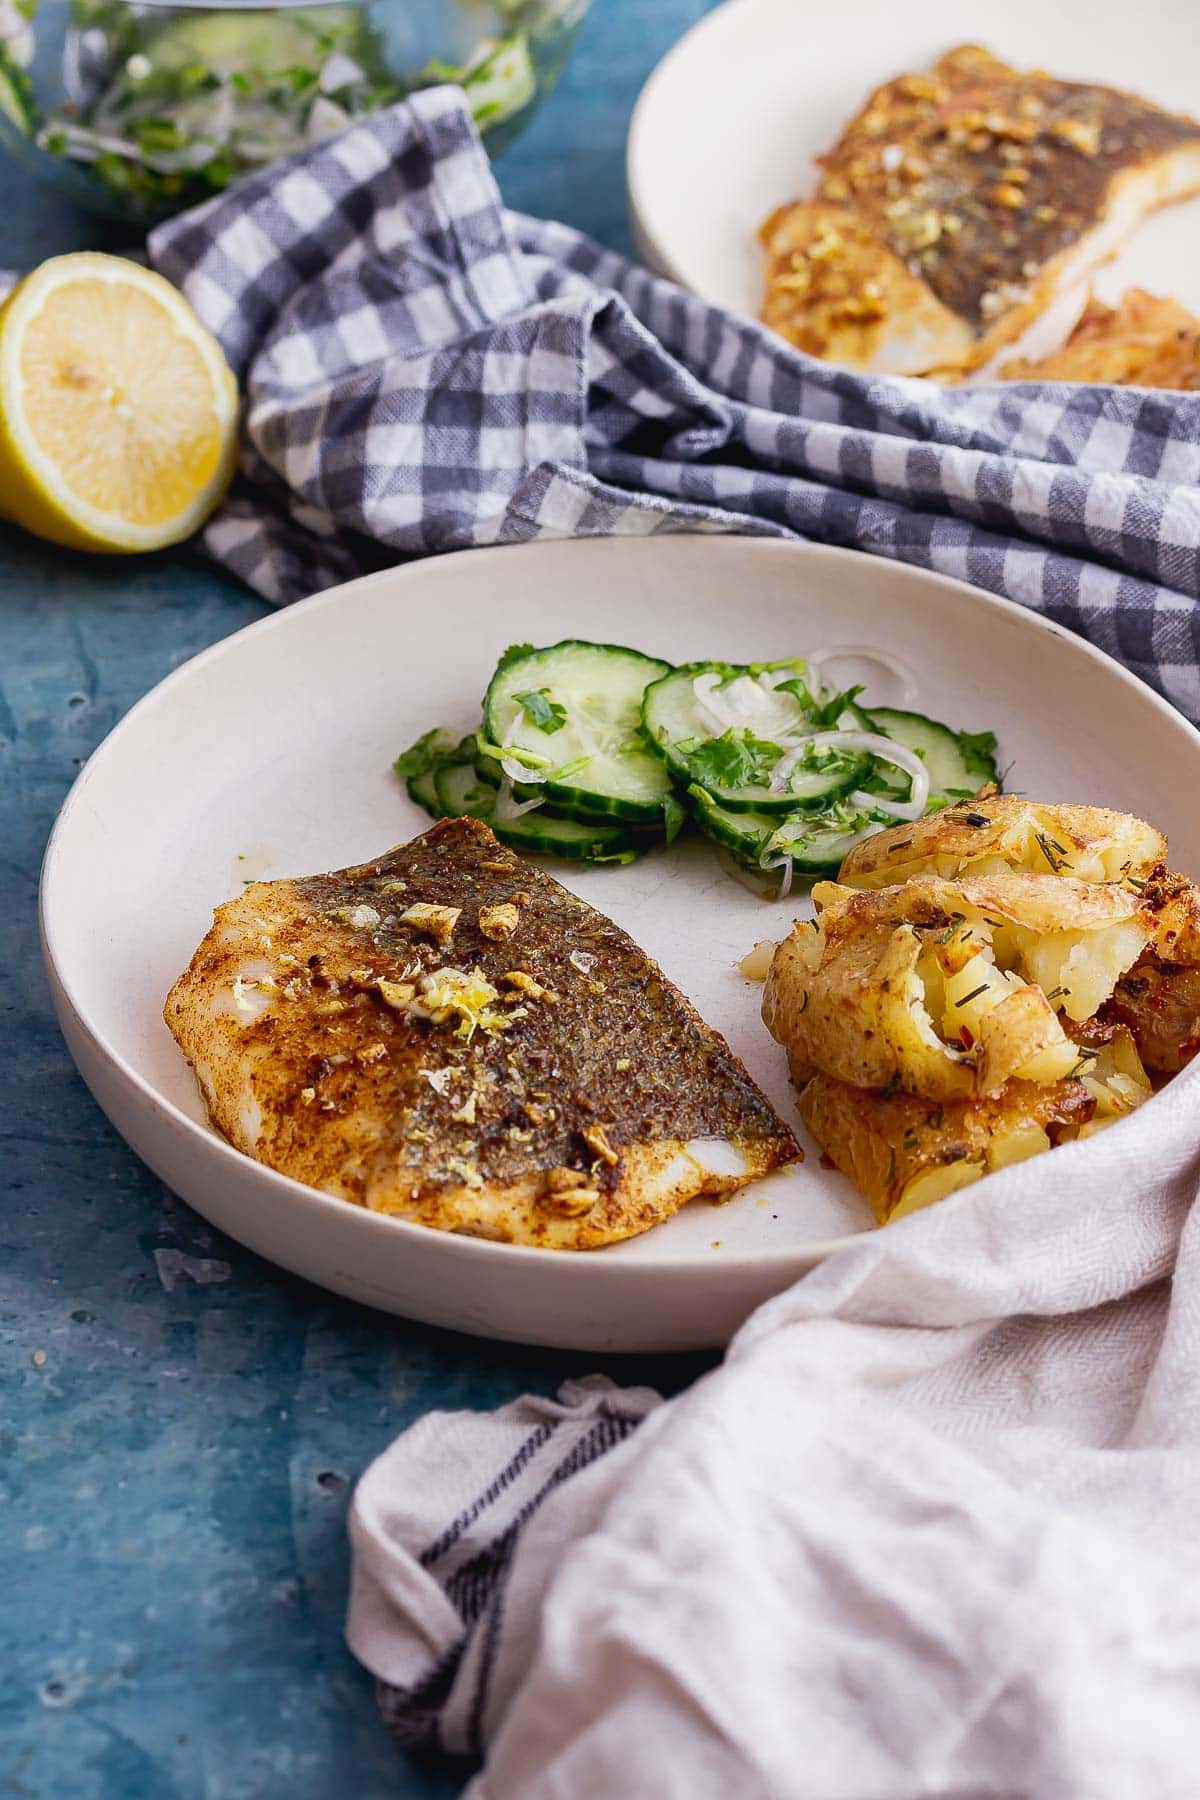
270 755
729 124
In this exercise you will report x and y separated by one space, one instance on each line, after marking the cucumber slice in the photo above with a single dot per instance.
671 712
422 789
668 823
486 767
418 765
731 754
816 845
503 84
541 834
243 41
592 752
959 762
461 792
743 834
488 770
17 103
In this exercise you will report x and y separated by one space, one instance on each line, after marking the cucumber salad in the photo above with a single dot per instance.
165 104
596 752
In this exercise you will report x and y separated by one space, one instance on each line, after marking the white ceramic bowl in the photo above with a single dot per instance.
270 754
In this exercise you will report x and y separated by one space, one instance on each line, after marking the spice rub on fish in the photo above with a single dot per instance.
957 204
448 1035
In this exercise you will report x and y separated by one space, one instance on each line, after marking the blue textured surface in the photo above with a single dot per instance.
175 1464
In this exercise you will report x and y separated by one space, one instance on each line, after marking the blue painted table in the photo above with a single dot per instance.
175 1459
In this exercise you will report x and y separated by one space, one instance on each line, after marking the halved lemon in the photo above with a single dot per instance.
118 411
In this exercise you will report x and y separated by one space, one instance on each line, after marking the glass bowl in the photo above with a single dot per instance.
140 110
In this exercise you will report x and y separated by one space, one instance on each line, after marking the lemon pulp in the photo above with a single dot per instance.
119 411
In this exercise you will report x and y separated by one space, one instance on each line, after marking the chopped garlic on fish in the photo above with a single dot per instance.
362 917
438 921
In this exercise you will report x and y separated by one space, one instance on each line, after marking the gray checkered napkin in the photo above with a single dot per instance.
426 371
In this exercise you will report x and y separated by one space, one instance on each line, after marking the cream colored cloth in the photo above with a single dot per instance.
931 1529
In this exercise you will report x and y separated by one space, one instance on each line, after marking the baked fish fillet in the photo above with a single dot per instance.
957 204
450 1036
1143 341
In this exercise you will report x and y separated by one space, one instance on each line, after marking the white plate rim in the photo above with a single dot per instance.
590 1267
648 247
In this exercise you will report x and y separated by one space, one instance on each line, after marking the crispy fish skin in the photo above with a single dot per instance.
548 1086
993 187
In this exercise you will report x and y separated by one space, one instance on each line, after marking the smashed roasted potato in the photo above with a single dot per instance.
981 985
1089 843
904 1152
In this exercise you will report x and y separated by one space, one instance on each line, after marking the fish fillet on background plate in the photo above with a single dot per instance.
448 1035
958 204
1143 341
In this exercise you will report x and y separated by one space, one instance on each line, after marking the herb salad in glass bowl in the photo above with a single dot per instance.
141 109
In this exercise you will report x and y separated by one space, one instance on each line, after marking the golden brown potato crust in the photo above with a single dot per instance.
1159 996
1092 843
981 983
885 1141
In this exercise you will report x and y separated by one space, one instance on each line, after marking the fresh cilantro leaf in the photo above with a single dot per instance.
436 69
299 77
157 135
824 715
799 689
885 780
735 759
547 714
829 714
981 744
798 832
674 813
433 751
196 78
